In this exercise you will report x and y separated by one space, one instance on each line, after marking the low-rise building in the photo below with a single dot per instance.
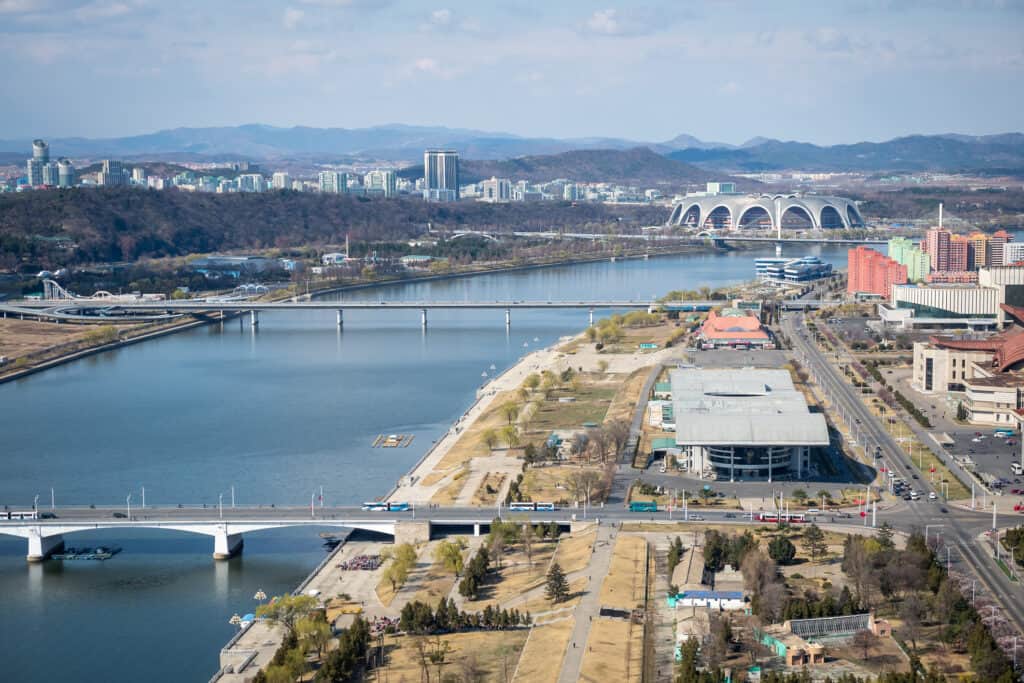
734 328
994 399
748 424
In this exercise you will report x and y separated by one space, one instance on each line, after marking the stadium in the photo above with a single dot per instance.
716 210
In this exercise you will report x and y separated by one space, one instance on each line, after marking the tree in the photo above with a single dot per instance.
510 409
526 538
557 587
287 610
314 634
490 438
782 550
581 484
675 555
885 536
532 381
814 542
618 432
449 554
864 640
438 654
510 433
602 366
912 614
800 495
598 439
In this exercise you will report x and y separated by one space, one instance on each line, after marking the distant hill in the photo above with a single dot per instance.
638 166
402 144
993 154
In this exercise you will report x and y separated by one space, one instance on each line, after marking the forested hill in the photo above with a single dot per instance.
119 224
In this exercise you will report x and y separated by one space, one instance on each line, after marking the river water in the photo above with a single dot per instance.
275 414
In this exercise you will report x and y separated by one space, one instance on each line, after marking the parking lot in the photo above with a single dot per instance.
991 455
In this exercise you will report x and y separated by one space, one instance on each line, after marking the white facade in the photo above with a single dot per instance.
1013 252
251 182
993 400
963 300
281 181
333 182
496 190
941 370
381 182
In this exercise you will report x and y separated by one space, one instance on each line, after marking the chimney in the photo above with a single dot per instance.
940 215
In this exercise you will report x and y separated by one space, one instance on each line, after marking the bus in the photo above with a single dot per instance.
19 514
529 506
386 507
792 518
643 506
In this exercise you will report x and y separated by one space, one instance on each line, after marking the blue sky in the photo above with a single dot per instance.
825 72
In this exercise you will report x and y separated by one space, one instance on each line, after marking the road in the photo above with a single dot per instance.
960 527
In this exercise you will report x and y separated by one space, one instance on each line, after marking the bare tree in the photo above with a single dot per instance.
912 613
526 537
599 440
864 640
582 484
471 670
618 432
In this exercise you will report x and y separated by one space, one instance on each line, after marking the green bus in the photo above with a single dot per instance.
643 506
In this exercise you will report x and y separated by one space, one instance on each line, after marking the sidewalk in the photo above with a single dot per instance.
589 605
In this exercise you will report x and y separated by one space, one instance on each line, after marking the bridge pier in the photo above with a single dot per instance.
423 317
254 318
226 546
41 547
408 531
591 317
341 319
476 529
508 317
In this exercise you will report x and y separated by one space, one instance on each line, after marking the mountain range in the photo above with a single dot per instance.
398 143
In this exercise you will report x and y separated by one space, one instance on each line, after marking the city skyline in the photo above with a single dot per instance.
890 66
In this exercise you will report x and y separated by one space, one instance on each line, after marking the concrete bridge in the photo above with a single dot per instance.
46 536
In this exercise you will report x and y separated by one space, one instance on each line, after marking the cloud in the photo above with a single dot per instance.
728 88
441 17
605 21
292 17
635 21
430 67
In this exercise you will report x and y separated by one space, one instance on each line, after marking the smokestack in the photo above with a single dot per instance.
940 215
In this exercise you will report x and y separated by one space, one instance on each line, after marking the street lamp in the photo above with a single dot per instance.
35 502
930 526
220 505
128 500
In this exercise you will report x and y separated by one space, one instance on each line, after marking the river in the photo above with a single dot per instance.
276 414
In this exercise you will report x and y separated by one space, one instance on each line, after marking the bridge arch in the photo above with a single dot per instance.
796 215
720 217
481 235
830 218
756 216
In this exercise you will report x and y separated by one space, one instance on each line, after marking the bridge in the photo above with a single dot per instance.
101 309
226 525
651 236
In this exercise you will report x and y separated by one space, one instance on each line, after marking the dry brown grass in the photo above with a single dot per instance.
623 587
470 444
574 551
541 661
20 337
548 483
437 583
515 577
614 652
493 479
495 652
625 399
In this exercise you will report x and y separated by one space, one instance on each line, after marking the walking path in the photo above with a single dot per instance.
589 605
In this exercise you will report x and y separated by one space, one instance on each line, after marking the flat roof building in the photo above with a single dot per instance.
743 424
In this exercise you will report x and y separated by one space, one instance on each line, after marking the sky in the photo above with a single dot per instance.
827 72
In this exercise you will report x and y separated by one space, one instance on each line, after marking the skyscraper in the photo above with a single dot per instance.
113 173
51 174
65 172
34 166
937 245
441 175
333 182
281 181
381 182
496 190
873 273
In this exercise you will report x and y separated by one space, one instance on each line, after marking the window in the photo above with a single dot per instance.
928 370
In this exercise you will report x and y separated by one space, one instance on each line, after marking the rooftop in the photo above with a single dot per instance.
743 407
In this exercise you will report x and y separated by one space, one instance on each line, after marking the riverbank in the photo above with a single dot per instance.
18 368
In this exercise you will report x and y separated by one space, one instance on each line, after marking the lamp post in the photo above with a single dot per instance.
312 505
53 503
143 497
232 496
930 526
220 504
128 500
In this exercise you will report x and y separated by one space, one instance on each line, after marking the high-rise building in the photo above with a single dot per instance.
873 273
281 181
40 151
139 175
496 190
1013 252
997 246
958 248
333 182
440 175
51 174
65 173
113 173
381 183
936 243
906 253
252 182
570 192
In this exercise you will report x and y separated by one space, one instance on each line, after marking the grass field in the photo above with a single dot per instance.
541 660
623 587
573 552
614 652
493 654
549 483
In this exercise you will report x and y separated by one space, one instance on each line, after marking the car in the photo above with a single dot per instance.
932 496
120 515
907 496
943 510
915 476
730 515
813 511
695 518
47 515
976 439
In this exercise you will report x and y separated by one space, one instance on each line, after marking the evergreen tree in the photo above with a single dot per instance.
557 588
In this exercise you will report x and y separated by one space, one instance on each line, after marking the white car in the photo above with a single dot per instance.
931 495
976 440
813 511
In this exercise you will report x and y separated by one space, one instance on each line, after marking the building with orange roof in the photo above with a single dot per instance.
734 328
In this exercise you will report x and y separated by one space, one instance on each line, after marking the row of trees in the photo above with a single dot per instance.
418 618
402 560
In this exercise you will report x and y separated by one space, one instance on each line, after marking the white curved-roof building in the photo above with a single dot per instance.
707 211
